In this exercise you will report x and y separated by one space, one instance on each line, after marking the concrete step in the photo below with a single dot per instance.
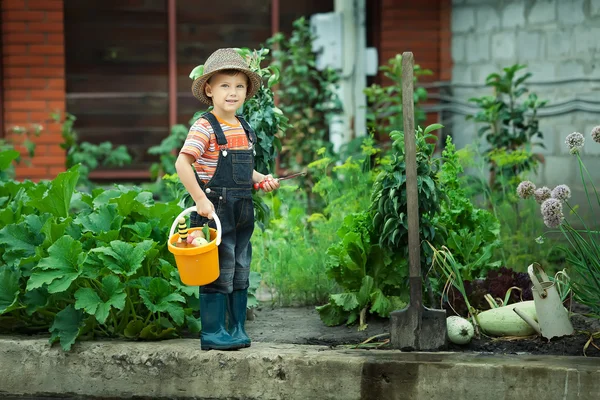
178 369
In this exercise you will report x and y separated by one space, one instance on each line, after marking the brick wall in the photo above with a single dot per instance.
422 27
34 81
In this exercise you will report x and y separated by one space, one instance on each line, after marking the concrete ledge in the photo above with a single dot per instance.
178 369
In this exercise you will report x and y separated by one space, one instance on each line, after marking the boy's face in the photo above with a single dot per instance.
227 92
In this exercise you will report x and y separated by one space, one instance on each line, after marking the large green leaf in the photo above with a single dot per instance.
35 299
66 327
19 240
9 289
7 157
57 199
93 302
348 301
160 298
124 258
104 219
62 266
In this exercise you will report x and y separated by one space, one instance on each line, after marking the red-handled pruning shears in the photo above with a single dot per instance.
261 185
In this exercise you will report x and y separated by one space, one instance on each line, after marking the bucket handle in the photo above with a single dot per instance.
530 270
188 211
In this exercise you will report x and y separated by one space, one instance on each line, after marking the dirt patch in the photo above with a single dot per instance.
302 325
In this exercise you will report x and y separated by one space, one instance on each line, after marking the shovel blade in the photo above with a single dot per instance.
418 328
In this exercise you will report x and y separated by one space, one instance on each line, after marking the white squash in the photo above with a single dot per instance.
503 321
460 330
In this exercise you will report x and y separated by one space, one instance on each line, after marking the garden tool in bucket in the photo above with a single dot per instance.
197 266
552 317
415 327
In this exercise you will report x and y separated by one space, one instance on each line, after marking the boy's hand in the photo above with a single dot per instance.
268 184
205 208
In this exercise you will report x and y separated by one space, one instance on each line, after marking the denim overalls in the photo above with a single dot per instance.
230 190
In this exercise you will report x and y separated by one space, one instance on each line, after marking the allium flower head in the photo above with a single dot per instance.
525 189
552 211
596 134
542 194
561 192
574 142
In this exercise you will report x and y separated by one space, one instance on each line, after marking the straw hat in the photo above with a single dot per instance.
220 60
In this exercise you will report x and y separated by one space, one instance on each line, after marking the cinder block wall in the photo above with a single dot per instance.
559 40
34 80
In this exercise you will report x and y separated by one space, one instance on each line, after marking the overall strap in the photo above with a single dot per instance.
247 128
216 127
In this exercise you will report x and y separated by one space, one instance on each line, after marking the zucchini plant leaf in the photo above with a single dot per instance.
124 258
62 266
347 301
57 198
66 327
381 304
160 298
9 289
104 219
93 302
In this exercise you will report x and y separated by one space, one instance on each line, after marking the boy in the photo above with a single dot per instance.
219 147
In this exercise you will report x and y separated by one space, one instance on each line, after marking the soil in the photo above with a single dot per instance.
302 325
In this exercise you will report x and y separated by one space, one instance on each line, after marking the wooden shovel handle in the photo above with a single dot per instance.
410 157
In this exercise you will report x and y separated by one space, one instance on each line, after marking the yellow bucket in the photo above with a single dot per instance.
197 266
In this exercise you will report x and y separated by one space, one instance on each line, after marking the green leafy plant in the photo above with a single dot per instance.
83 265
369 260
384 112
89 156
509 123
388 199
473 234
9 156
307 96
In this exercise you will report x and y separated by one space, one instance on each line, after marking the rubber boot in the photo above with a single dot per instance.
238 300
212 316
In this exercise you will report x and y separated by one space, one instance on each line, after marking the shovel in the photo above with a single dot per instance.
415 327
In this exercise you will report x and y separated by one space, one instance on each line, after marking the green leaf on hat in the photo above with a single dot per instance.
197 72
92 302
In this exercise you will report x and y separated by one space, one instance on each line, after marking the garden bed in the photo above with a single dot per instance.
302 325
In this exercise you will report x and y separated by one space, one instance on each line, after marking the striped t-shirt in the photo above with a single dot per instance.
201 143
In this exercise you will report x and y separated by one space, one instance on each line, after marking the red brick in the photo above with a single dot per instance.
46 72
16 95
45 4
24 172
26 105
55 105
55 16
28 83
16 117
46 49
49 138
47 95
45 27
17 61
55 38
40 117
54 150
16 72
15 49
13 27
23 38
53 61
56 83
42 159
54 171
17 15
13 5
